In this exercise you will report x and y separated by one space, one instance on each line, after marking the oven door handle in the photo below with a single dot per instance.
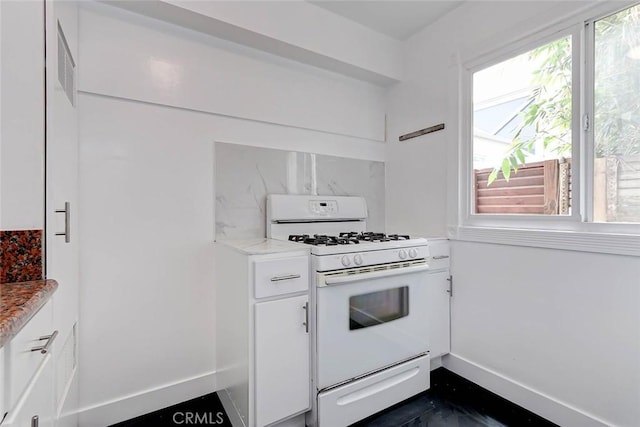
339 280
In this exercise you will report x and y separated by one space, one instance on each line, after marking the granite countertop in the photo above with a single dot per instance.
19 302
260 246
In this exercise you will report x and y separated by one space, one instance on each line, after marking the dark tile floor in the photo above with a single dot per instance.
452 401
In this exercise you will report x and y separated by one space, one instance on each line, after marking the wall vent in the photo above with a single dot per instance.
66 67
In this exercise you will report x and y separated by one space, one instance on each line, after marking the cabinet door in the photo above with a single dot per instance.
282 386
439 325
35 407
62 192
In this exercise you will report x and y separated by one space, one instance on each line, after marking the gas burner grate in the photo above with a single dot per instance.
323 240
398 237
346 238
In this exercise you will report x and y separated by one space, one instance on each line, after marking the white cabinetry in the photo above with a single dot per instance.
35 408
22 133
439 343
2 382
28 385
62 196
282 359
439 298
263 344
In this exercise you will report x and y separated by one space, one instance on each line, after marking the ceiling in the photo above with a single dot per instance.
399 19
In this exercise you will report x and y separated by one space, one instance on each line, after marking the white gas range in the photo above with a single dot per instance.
368 296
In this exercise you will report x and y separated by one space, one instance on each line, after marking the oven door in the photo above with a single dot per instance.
368 320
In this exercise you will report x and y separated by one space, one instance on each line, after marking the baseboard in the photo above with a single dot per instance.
546 406
230 409
435 362
146 401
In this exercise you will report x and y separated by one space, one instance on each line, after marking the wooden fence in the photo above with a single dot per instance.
617 189
536 188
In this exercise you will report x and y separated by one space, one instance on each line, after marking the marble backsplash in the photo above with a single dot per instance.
244 175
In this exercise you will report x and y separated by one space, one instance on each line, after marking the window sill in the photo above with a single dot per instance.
581 241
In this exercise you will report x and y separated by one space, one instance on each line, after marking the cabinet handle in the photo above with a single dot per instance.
305 307
35 421
441 257
67 222
44 349
287 277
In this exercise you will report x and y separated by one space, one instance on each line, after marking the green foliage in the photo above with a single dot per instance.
548 110
617 104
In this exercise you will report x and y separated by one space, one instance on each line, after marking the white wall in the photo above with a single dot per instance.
563 324
555 331
185 69
22 116
146 230
296 30
153 100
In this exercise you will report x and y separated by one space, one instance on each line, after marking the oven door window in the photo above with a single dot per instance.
379 307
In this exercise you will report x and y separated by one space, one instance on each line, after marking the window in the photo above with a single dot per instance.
555 129
616 118
522 132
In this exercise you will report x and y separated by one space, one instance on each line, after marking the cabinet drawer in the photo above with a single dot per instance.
439 255
344 405
22 363
281 276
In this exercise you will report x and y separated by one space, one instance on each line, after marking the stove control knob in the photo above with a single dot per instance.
357 259
413 253
402 254
346 261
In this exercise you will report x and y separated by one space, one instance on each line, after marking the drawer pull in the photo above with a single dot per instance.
287 277
44 349
441 257
35 421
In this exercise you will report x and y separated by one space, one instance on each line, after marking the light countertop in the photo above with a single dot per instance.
261 246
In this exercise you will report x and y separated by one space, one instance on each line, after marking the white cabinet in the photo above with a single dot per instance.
23 131
62 152
28 373
439 298
2 381
439 336
35 407
22 362
262 334
282 359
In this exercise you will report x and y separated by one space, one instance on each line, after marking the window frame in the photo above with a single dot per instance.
600 237
526 45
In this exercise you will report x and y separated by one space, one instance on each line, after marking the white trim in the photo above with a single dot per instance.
143 402
587 108
230 409
435 362
535 401
608 243
577 134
